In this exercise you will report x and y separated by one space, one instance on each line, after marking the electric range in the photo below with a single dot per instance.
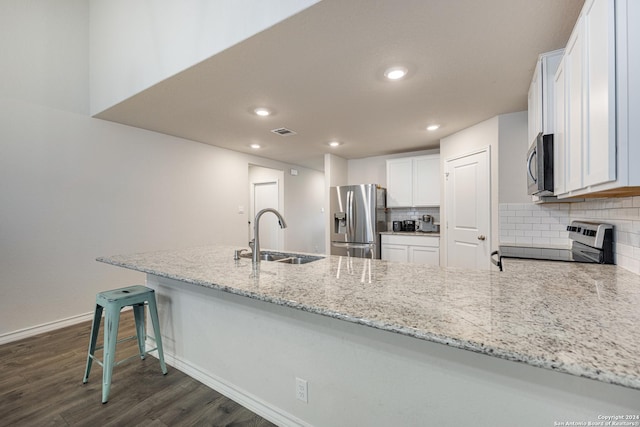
591 242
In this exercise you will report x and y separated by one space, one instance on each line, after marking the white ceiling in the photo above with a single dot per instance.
321 71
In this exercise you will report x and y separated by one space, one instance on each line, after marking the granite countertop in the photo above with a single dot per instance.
580 319
412 233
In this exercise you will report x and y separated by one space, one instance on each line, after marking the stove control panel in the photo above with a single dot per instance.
594 234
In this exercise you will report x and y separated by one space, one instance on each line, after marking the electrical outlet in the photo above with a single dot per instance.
301 390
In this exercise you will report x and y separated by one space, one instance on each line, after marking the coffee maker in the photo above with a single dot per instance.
427 225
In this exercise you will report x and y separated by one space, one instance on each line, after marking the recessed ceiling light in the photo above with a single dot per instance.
433 127
255 146
334 143
395 73
262 111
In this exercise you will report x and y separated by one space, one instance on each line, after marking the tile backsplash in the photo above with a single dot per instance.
400 214
527 223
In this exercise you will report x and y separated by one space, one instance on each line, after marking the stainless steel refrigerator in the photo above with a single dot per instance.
357 217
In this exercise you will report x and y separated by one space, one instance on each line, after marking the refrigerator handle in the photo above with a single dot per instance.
350 216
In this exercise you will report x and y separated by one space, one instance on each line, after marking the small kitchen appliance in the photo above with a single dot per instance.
409 225
397 225
591 242
427 224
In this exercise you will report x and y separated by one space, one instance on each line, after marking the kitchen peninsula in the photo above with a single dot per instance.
368 335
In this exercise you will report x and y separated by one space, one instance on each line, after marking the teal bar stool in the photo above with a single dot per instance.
113 301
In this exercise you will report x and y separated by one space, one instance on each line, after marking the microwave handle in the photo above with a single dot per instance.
529 159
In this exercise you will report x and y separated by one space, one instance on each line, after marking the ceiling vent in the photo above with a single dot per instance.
283 131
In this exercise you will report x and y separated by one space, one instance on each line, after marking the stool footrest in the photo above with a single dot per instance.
132 337
99 362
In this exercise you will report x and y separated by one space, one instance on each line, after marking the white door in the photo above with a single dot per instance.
468 216
265 195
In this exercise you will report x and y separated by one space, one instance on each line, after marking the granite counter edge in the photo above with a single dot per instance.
536 361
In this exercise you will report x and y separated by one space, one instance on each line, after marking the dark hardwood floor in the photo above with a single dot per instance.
41 385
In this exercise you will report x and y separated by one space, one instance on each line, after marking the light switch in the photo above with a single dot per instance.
240 209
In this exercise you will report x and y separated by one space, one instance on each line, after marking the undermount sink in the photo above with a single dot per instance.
286 258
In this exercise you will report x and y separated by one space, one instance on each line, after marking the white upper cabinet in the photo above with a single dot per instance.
413 181
599 140
540 97
574 72
400 182
559 133
426 181
597 86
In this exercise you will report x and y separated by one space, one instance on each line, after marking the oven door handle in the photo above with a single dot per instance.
496 261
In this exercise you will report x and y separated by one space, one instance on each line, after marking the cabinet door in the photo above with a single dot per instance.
399 182
599 149
549 66
426 181
535 108
574 65
395 253
559 133
424 255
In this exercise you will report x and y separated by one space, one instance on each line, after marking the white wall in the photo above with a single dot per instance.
512 152
42 58
304 200
335 173
73 188
136 44
301 204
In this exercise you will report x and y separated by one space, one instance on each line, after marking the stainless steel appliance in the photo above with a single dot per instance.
540 166
357 217
397 225
591 242
427 225
408 225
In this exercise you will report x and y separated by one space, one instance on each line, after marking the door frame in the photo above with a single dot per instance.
274 175
447 201
252 211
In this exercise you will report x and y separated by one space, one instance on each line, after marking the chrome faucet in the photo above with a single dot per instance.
256 232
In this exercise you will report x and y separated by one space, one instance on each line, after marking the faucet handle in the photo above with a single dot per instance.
237 253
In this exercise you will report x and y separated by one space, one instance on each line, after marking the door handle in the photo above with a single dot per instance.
481 237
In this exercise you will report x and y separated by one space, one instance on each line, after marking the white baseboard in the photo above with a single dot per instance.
45 327
249 401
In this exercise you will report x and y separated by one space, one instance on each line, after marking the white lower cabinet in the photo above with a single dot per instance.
416 249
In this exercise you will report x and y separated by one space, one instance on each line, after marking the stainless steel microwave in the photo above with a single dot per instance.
540 166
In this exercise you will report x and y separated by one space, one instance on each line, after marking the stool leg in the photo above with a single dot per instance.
153 311
95 328
111 322
138 314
